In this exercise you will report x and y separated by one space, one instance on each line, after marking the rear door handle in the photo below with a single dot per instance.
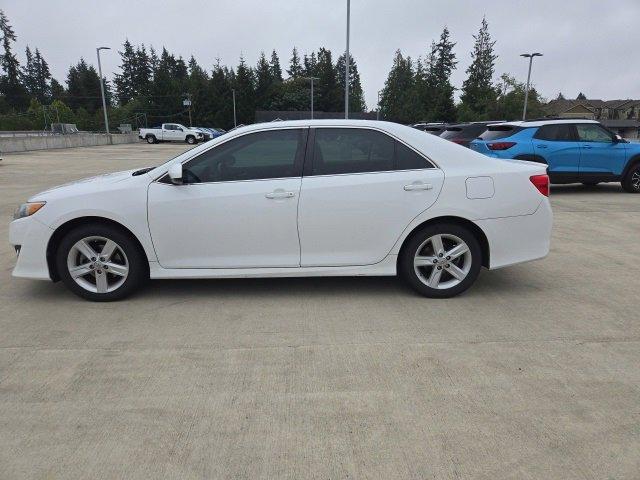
418 186
541 146
279 194
587 147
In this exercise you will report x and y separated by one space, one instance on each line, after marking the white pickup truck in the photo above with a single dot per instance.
171 132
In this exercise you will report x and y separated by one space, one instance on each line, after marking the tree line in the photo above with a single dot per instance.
151 87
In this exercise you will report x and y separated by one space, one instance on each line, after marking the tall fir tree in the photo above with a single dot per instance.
15 95
329 96
356 95
295 69
276 69
445 62
244 82
124 81
30 73
43 89
478 91
142 72
397 100
263 83
83 88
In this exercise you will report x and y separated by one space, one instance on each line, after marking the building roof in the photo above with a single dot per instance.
562 105
625 123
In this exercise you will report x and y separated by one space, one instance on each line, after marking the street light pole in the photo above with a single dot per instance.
526 92
104 101
346 65
235 122
378 109
311 79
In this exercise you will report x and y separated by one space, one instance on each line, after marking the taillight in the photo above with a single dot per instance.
541 182
500 145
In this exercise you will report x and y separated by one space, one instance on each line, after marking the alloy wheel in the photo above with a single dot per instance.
98 264
635 179
442 261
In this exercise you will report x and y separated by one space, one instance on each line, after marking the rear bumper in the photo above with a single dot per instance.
32 237
519 239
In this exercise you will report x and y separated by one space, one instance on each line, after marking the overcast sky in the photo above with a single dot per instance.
588 45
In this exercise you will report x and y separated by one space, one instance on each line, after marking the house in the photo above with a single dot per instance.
621 116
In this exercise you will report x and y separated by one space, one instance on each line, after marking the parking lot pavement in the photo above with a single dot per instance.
533 374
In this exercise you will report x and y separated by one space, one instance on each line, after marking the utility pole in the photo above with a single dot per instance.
526 92
378 109
346 65
187 102
235 122
104 101
311 79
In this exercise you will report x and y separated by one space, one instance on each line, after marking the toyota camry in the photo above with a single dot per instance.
289 199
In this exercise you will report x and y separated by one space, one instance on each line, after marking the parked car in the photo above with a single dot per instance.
574 151
291 199
464 133
171 132
211 133
432 128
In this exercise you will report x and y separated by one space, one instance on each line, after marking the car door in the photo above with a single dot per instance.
599 152
557 144
360 190
237 207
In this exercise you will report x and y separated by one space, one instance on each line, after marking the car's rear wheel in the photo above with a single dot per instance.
441 260
151 139
631 181
191 139
100 263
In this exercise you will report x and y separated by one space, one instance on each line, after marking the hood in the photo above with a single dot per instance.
84 185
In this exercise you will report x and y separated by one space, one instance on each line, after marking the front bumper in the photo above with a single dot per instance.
32 238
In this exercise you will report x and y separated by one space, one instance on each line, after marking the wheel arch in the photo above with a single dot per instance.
463 222
62 230
633 161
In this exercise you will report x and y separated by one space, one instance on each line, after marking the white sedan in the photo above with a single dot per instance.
303 198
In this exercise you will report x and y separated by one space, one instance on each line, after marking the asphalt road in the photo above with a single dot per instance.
533 374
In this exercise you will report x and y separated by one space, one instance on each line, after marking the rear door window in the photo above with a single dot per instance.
555 133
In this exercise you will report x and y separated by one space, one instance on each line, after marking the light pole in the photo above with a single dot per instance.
311 79
346 65
235 122
526 92
104 101
378 109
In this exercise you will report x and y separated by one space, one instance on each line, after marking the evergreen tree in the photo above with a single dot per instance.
445 62
478 91
425 86
30 73
44 81
581 96
560 96
11 87
509 104
142 72
397 99
57 90
310 63
83 88
124 82
198 91
263 83
245 93
295 69
356 95
274 65
329 97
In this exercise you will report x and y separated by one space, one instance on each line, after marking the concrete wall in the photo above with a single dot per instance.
25 143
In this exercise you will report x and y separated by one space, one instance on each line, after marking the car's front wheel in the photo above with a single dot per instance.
441 260
631 181
101 263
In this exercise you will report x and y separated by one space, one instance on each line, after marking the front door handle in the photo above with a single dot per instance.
541 146
587 147
279 194
417 186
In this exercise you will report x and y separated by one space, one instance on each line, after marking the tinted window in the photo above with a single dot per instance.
351 150
593 133
555 133
407 159
499 131
452 132
272 154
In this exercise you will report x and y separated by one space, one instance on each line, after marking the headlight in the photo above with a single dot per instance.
27 209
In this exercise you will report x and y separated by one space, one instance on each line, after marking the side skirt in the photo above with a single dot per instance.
560 178
386 267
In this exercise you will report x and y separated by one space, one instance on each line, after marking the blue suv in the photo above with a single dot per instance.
576 151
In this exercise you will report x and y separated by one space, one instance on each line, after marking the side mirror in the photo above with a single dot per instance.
617 139
175 174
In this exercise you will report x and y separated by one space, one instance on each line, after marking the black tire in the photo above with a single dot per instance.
409 250
191 140
631 181
138 266
590 184
151 139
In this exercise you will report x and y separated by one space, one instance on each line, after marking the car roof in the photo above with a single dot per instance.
539 123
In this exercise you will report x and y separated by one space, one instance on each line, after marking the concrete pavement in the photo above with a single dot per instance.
533 374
